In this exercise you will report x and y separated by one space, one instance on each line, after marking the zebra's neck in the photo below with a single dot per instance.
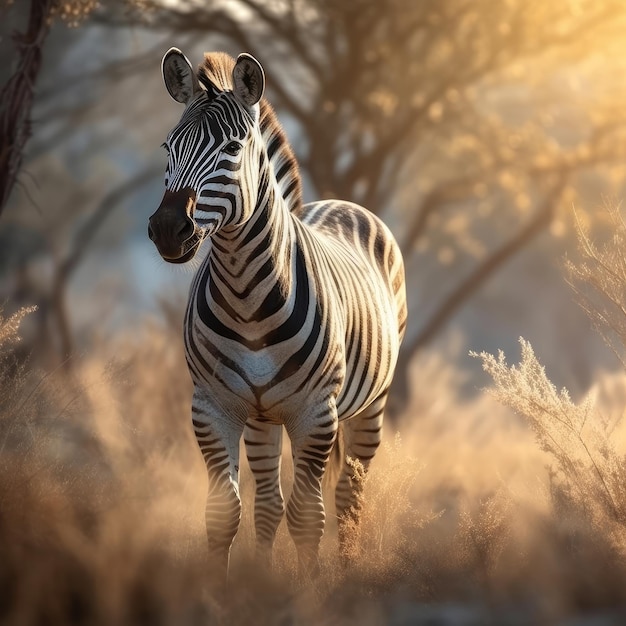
252 266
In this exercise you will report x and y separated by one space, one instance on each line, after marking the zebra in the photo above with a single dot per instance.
294 319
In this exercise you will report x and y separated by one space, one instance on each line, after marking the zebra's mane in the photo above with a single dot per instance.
215 74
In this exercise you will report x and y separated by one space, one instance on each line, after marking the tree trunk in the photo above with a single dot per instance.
16 98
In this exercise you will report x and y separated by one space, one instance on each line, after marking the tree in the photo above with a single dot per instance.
445 117
466 124
17 94
23 242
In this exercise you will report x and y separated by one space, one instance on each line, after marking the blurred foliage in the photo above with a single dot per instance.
73 12
599 279
469 126
374 83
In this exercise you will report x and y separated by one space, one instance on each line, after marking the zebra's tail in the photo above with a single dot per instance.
335 461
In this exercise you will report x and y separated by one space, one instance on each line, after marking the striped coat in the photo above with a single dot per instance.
295 317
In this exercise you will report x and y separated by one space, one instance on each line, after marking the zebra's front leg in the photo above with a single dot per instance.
263 449
312 439
218 436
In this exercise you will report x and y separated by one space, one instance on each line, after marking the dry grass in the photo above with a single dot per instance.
599 279
102 487
588 470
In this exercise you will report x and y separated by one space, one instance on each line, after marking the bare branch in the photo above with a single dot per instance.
80 246
489 266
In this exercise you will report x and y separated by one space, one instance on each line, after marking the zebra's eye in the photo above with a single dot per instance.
233 148
167 148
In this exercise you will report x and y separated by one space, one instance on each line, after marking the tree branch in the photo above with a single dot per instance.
487 268
80 245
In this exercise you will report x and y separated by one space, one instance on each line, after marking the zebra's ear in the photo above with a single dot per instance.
248 80
179 77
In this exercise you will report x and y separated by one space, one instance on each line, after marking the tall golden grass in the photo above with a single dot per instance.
472 512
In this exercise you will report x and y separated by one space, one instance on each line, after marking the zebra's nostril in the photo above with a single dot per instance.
150 232
186 230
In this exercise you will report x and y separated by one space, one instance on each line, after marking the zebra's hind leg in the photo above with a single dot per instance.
362 435
312 439
218 436
264 448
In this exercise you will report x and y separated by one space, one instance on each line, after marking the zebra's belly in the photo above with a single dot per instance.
372 343
369 370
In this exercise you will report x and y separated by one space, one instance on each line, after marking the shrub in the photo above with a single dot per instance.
587 469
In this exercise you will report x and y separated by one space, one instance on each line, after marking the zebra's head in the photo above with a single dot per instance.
215 146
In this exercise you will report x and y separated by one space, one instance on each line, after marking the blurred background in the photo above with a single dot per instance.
488 135
473 128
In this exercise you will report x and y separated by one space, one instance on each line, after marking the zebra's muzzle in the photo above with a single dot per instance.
172 228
